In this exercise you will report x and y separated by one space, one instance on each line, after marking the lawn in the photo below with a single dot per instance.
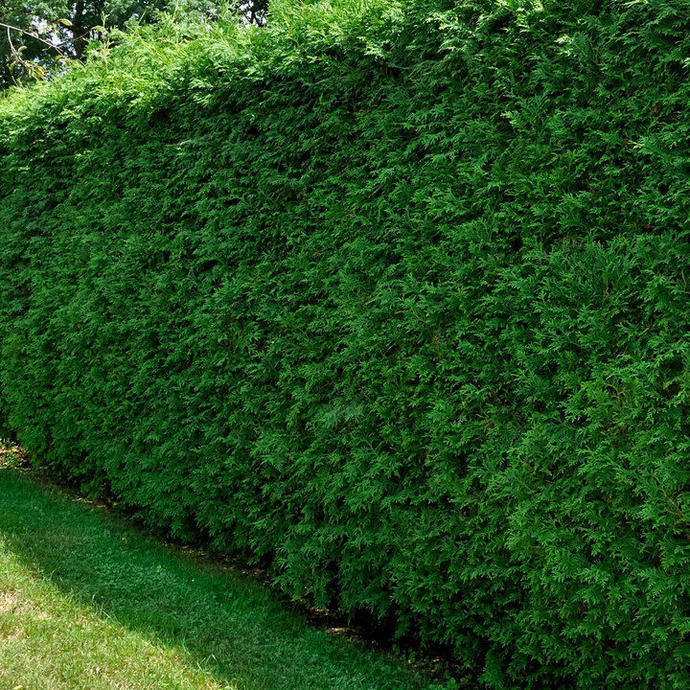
87 601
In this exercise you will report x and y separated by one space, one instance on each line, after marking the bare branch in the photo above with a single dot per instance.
14 52
9 28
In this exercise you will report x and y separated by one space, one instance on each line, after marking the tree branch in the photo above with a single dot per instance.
9 27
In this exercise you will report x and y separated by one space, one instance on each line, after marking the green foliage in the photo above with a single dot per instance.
391 296
38 39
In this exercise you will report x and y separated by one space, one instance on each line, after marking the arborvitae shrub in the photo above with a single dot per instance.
394 297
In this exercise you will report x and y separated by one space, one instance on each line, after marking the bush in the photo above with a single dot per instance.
390 295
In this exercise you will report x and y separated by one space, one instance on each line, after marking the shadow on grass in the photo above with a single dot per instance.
228 625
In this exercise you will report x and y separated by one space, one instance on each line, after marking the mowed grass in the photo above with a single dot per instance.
86 602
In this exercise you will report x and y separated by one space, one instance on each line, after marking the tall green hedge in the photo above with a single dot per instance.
392 296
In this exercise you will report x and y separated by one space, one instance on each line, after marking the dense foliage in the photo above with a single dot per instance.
390 295
39 37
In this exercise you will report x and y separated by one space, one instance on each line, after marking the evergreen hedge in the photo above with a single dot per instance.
392 296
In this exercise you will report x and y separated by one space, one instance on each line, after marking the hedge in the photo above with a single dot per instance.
391 297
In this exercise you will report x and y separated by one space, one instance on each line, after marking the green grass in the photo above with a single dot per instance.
87 602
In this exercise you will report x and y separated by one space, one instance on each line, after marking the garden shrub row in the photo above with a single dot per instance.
391 297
